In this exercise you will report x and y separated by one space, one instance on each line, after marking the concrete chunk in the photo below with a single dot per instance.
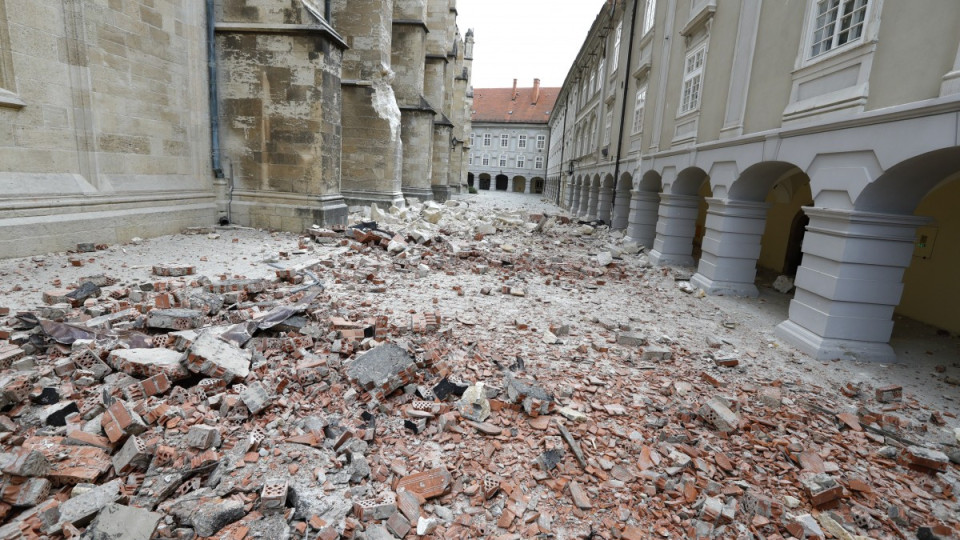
217 358
175 319
145 363
119 522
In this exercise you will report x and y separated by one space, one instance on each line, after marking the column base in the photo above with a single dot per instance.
419 193
287 211
667 259
728 288
384 199
825 349
440 193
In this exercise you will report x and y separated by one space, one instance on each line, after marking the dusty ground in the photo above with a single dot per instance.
237 251
641 415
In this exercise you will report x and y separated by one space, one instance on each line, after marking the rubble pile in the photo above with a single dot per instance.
325 403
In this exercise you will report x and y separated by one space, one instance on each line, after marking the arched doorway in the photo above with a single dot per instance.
794 255
751 228
470 179
892 252
502 182
519 184
484 181
536 185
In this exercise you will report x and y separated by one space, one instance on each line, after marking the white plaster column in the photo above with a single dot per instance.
621 211
569 195
676 226
526 185
584 200
642 228
509 185
575 204
849 283
592 203
731 247
605 203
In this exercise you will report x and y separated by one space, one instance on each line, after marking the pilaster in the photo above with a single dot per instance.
731 247
849 283
642 226
675 229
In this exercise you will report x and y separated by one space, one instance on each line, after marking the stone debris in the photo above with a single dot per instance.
333 400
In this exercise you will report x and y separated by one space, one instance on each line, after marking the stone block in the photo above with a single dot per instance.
202 437
175 319
926 458
631 339
79 510
131 456
173 270
143 363
255 397
656 354
719 415
384 367
28 463
119 522
210 517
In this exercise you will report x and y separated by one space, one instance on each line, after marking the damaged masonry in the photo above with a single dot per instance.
437 371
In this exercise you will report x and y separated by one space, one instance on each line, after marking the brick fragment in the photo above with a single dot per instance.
427 484
821 488
717 413
889 393
274 494
131 456
579 495
925 458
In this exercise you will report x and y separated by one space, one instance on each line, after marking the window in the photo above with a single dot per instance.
504 141
503 160
593 82
541 141
693 80
616 47
608 126
539 162
471 159
486 160
486 139
837 22
600 73
521 161
648 14
8 96
472 141
522 141
638 109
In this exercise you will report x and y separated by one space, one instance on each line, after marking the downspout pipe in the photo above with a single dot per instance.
623 109
326 12
214 102
563 146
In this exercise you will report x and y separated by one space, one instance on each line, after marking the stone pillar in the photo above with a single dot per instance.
731 247
642 227
569 195
849 284
528 182
621 211
577 193
605 203
441 160
592 203
509 185
676 226
408 57
372 159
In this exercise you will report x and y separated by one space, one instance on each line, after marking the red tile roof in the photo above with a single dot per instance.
499 105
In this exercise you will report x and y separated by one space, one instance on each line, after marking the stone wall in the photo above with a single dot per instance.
279 85
104 131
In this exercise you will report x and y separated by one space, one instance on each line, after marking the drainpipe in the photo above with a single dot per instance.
326 12
563 146
623 110
214 104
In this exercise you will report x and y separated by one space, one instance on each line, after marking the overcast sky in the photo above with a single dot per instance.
525 39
